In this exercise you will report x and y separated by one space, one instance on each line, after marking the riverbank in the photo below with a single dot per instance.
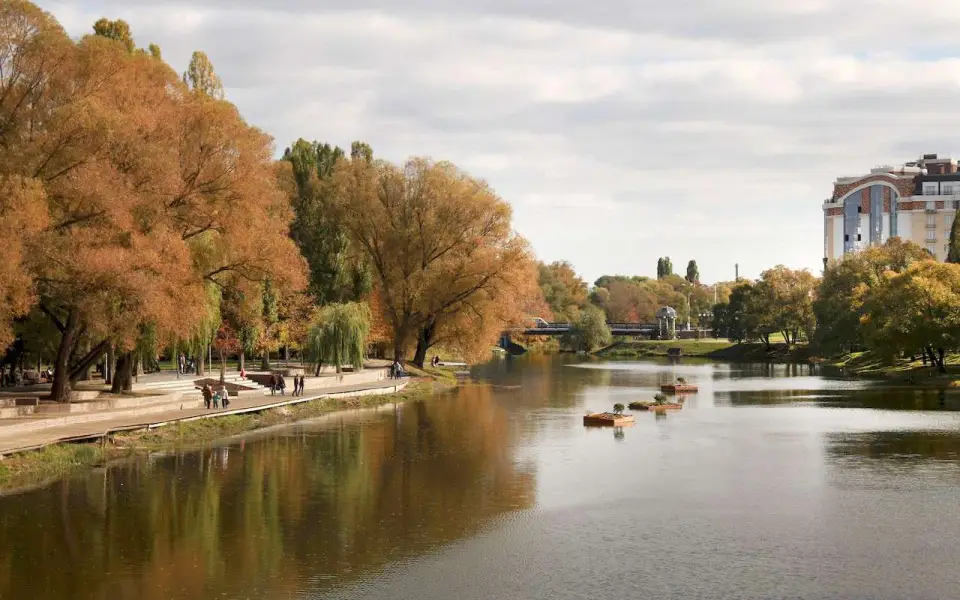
57 460
712 349
901 371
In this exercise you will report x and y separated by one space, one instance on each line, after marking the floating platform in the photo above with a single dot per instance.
678 389
607 419
654 406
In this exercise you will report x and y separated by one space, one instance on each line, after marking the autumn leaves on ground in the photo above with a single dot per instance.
141 214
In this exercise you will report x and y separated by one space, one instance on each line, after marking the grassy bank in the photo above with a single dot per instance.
904 370
724 350
54 461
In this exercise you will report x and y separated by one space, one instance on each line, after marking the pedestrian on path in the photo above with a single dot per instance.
224 396
273 384
281 384
207 395
216 399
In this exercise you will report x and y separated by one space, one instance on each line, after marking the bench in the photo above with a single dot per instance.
28 401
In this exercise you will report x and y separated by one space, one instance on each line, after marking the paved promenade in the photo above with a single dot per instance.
17 435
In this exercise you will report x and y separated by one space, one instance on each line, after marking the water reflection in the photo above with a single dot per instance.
321 503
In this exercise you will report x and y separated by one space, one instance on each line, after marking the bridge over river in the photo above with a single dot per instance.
553 329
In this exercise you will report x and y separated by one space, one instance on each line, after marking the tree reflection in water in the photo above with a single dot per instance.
267 518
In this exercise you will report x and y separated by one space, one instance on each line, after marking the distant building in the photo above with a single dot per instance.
915 201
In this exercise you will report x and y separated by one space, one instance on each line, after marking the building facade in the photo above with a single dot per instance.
915 201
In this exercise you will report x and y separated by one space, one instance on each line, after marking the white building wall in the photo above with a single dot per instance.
885 233
837 236
905 224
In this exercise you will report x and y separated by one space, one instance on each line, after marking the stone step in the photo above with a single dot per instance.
9 412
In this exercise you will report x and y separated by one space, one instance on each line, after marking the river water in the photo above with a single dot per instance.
772 482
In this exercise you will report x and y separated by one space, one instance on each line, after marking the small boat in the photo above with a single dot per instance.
678 388
612 419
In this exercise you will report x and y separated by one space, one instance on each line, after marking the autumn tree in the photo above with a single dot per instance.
22 217
151 193
117 30
202 78
917 310
154 51
847 284
436 238
564 291
225 342
782 300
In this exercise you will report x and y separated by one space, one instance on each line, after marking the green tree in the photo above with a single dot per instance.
693 272
563 290
117 30
660 268
155 51
202 78
336 274
590 332
782 300
845 286
953 254
917 310
339 335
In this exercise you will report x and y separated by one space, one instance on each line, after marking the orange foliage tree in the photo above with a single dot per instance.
151 191
441 244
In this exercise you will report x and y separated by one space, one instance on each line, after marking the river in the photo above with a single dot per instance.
772 482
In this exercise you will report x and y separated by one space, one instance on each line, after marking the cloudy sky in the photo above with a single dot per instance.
619 130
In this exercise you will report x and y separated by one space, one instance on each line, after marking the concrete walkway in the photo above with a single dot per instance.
19 435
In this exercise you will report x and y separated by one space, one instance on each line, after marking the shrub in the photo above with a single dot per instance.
681 381
618 409
660 399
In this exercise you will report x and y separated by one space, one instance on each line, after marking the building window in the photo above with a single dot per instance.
948 190
930 190
932 248
859 209
859 238
948 220
932 220
846 237
931 236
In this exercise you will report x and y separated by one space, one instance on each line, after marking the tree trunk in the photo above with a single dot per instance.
85 374
243 360
60 390
123 377
201 362
286 355
424 341
317 372
265 361
223 366
111 366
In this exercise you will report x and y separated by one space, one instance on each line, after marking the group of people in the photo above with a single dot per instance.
279 384
185 365
396 370
218 397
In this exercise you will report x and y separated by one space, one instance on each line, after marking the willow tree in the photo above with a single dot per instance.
339 336
439 241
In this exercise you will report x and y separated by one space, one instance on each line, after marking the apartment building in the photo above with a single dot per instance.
915 201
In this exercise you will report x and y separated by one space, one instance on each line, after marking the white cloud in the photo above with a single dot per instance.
620 131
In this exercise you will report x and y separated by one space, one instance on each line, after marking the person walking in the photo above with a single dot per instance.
207 395
298 384
224 396
281 384
216 399
273 384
